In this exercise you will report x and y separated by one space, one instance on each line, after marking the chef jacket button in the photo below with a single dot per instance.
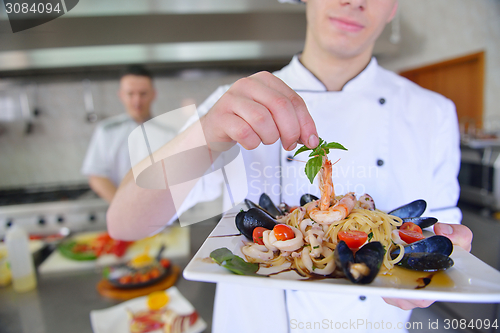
289 158
381 101
362 298
380 162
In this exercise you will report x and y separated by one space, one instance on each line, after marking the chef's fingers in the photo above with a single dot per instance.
459 234
308 134
279 106
408 304
240 131
258 117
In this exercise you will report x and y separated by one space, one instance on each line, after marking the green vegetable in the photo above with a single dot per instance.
370 236
225 258
313 165
66 249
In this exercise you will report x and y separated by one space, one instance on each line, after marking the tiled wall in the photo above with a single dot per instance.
436 30
53 153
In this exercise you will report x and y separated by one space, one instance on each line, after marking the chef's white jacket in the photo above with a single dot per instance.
108 155
403 144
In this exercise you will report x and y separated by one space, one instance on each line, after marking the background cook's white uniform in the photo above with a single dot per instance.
107 155
403 145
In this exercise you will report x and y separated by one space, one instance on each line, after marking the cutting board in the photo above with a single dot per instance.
176 240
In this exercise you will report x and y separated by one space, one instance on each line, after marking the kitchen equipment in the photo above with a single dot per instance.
48 210
88 99
479 175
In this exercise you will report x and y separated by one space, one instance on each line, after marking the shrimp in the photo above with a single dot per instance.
326 184
336 213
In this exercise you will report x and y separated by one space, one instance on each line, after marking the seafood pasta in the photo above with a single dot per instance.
308 236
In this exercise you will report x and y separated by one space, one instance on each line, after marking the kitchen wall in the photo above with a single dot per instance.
53 153
436 30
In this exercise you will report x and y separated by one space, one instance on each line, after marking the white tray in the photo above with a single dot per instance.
473 280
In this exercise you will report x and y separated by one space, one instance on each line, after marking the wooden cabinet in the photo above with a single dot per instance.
461 80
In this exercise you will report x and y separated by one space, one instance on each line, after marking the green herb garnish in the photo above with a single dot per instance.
313 165
370 236
316 247
225 258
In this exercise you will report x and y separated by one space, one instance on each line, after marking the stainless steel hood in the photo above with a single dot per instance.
176 32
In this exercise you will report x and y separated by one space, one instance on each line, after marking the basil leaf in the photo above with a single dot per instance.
221 255
334 145
239 266
301 150
370 236
225 258
312 167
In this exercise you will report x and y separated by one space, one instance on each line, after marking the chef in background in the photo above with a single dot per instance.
107 160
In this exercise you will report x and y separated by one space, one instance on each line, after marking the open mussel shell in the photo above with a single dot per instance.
413 209
251 219
266 203
422 222
426 262
251 204
306 198
434 244
363 267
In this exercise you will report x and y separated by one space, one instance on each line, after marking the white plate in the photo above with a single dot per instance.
471 279
115 319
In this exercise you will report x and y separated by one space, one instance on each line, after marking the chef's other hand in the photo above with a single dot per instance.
408 304
260 109
459 234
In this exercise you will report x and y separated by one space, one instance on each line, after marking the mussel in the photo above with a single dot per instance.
426 262
428 255
434 244
251 219
266 203
363 267
307 198
413 209
422 222
251 204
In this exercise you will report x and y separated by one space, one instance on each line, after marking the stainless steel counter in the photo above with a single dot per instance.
63 303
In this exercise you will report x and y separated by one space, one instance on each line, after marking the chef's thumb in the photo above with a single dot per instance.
459 234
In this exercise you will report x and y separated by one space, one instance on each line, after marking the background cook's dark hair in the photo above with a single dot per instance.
138 70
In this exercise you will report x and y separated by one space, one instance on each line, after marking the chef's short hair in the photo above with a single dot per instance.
138 70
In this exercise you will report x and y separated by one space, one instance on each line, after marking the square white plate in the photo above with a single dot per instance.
472 279
115 319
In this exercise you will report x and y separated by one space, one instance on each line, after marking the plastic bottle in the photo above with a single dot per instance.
20 259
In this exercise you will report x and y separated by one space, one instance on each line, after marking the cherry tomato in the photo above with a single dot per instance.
257 235
411 226
125 279
282 232
165 263
155 272
353 238
410 236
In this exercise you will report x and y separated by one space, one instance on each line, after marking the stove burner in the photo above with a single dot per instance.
27 196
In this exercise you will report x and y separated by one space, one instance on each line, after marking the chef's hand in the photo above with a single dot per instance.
461 236
260 109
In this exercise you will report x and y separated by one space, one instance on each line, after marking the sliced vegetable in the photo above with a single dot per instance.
235 264
411 226
282 232
257 235
410 236
353 238
67 250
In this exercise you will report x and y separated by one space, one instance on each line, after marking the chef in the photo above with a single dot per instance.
403 145
107 160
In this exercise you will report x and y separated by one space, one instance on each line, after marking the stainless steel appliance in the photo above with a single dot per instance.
46 210
479 175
